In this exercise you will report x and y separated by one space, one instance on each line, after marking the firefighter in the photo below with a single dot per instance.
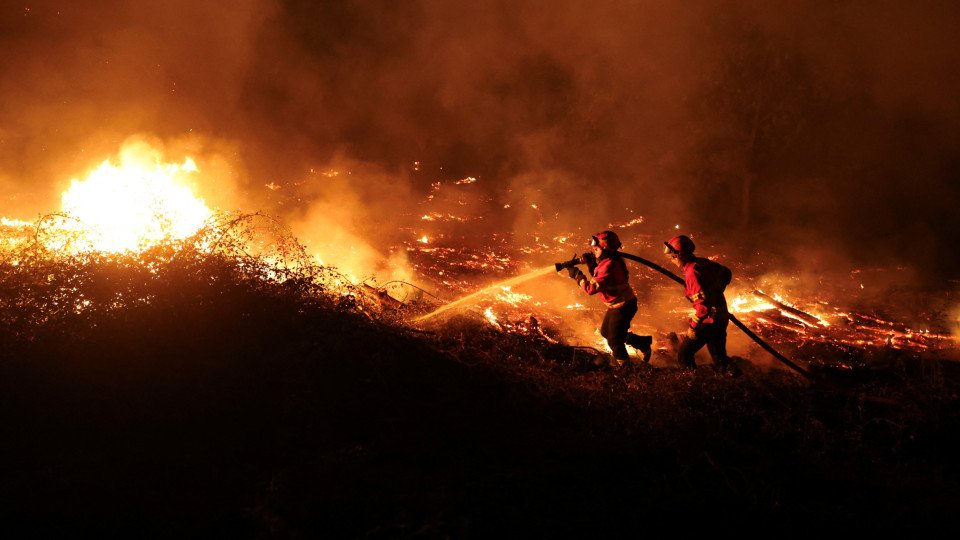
705 282
610 279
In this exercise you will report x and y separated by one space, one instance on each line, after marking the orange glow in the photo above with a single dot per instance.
133 203
746 303
743 303
14 222
491 317
508 296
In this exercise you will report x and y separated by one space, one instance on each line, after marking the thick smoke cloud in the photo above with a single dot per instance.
842 118
77 80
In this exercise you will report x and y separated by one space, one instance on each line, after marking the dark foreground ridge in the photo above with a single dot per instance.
227 407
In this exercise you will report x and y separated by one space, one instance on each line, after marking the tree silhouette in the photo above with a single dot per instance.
750 109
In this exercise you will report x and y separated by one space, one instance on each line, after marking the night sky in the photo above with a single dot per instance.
840 118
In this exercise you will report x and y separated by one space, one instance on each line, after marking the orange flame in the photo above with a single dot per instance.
134 204
491 317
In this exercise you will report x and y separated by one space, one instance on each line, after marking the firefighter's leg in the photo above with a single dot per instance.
606 325
606 331
640 343
717 346
688 349
617 322
644 344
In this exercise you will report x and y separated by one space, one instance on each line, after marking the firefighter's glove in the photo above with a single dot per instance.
575 273
696 324
590 260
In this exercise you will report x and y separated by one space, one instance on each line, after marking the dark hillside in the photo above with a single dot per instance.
232 407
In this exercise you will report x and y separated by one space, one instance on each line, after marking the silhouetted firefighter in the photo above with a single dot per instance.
705 281
610 279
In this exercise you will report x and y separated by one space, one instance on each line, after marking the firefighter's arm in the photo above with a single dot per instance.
601 278
581 279
698 297
590 285
700 312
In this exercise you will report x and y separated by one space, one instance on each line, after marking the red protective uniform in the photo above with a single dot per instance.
705 281
611 281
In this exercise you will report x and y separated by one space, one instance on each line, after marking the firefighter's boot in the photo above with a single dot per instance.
642 344
726 366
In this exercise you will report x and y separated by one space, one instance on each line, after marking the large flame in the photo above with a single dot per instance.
135 203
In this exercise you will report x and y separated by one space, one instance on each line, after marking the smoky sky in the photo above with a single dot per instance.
800 129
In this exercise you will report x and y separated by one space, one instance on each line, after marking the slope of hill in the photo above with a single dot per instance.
236 407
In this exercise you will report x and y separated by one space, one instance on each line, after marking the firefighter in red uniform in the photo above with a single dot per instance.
610 279
705 281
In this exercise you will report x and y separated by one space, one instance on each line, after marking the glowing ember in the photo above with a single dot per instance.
510 297
600 342
134 204
437 216
743 303
490 316
631 223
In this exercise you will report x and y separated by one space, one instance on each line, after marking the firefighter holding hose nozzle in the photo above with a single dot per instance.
610 279
705 281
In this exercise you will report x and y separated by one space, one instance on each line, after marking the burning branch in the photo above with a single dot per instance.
806 317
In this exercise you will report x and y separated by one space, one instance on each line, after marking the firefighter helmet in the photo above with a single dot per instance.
679 245
606 240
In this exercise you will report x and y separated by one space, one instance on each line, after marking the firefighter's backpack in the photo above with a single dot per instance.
716 274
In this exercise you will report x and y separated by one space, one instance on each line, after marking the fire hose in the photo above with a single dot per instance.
776 354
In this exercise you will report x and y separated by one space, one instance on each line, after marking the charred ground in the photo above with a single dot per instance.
191 397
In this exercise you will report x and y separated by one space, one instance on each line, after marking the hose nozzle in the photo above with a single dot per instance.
569 264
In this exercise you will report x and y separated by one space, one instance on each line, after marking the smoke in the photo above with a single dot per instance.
807 131
78 81
955 322
342 220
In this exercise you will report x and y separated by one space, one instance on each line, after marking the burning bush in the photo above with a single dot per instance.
48 286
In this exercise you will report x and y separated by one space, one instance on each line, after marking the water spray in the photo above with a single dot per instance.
505 283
